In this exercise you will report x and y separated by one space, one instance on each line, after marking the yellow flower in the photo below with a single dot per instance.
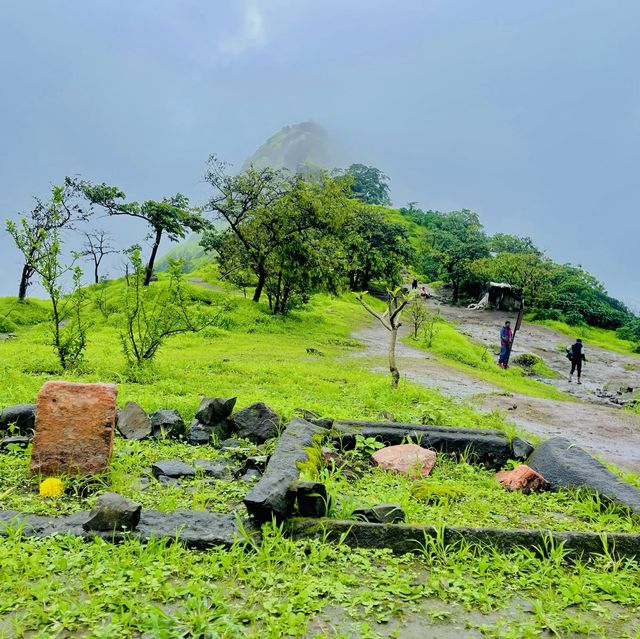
51 487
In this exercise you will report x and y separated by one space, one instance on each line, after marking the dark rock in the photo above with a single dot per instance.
251 475
19 419
133 422
172 468
315 351
255 462
166 423
165 481
200 433
230 444
522 449
218 469
113 512
485 446
312 498
213 410
565 465
271 496
18 440
323 422
381 514
256 423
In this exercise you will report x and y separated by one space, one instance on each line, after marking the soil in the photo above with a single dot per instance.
595 420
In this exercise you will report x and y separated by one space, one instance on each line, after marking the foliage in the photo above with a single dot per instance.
418 314
369 184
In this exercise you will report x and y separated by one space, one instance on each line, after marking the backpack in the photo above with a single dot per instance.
569 353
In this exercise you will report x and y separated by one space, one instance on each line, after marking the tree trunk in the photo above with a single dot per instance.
456 292
25 280
152 258
395 375
262 278
95 272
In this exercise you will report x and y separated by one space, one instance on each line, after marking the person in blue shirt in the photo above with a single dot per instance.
506 341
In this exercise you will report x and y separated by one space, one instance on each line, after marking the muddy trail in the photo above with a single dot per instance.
594 421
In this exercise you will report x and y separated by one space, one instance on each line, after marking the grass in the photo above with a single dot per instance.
593 336
457 493
461 353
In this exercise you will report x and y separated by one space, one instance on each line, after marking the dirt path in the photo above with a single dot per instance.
604 430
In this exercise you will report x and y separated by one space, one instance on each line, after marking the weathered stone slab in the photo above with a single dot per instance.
272 496
381 514
74 428
173 468
565 465
166 423
484 446
312 498
408 459
133 422
21 418
18 441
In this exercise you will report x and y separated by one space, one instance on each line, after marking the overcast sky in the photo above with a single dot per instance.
525 111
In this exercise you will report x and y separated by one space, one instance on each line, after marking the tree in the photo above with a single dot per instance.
369 185
97 245
418 315
506 243
390 319
61 211
374 249
171 216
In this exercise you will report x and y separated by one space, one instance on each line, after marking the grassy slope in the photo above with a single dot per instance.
460 352
591 335
63 587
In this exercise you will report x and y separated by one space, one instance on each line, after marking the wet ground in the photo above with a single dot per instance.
593 421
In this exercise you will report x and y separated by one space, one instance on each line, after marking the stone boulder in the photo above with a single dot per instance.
522 478
522 449
409 459
19 419
166 424
200 433
381 514
213 410
172 468
565 465
133 422
113 512
312 498
74 428
257 423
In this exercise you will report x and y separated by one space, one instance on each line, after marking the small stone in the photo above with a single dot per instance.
19 419
213 410
251 475
522 478
522 449
409 459
230 444
257 423
113 512
200 433
74 428
9 442
381 514
312 498
218 469
133 422
172 468
166 423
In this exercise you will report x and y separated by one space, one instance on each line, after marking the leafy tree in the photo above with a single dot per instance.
61 211
505 243
369 185
374 249
171 216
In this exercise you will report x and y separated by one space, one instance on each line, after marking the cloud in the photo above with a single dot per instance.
251 33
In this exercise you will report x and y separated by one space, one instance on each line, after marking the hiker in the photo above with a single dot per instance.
506 341
576 357
424 293
414 284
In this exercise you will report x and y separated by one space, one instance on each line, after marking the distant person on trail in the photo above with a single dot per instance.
424 293
506 341
414 284
576 357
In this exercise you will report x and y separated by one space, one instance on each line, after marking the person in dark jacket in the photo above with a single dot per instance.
576 356
506 341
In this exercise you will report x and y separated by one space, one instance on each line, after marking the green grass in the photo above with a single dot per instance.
592 336
458 351
15 314
457 493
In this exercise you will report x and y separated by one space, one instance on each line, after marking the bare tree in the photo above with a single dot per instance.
96 246
390 319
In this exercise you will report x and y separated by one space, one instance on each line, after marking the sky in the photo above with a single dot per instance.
526 112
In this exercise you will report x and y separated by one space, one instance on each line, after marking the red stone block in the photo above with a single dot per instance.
409 459
522 478
74 428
